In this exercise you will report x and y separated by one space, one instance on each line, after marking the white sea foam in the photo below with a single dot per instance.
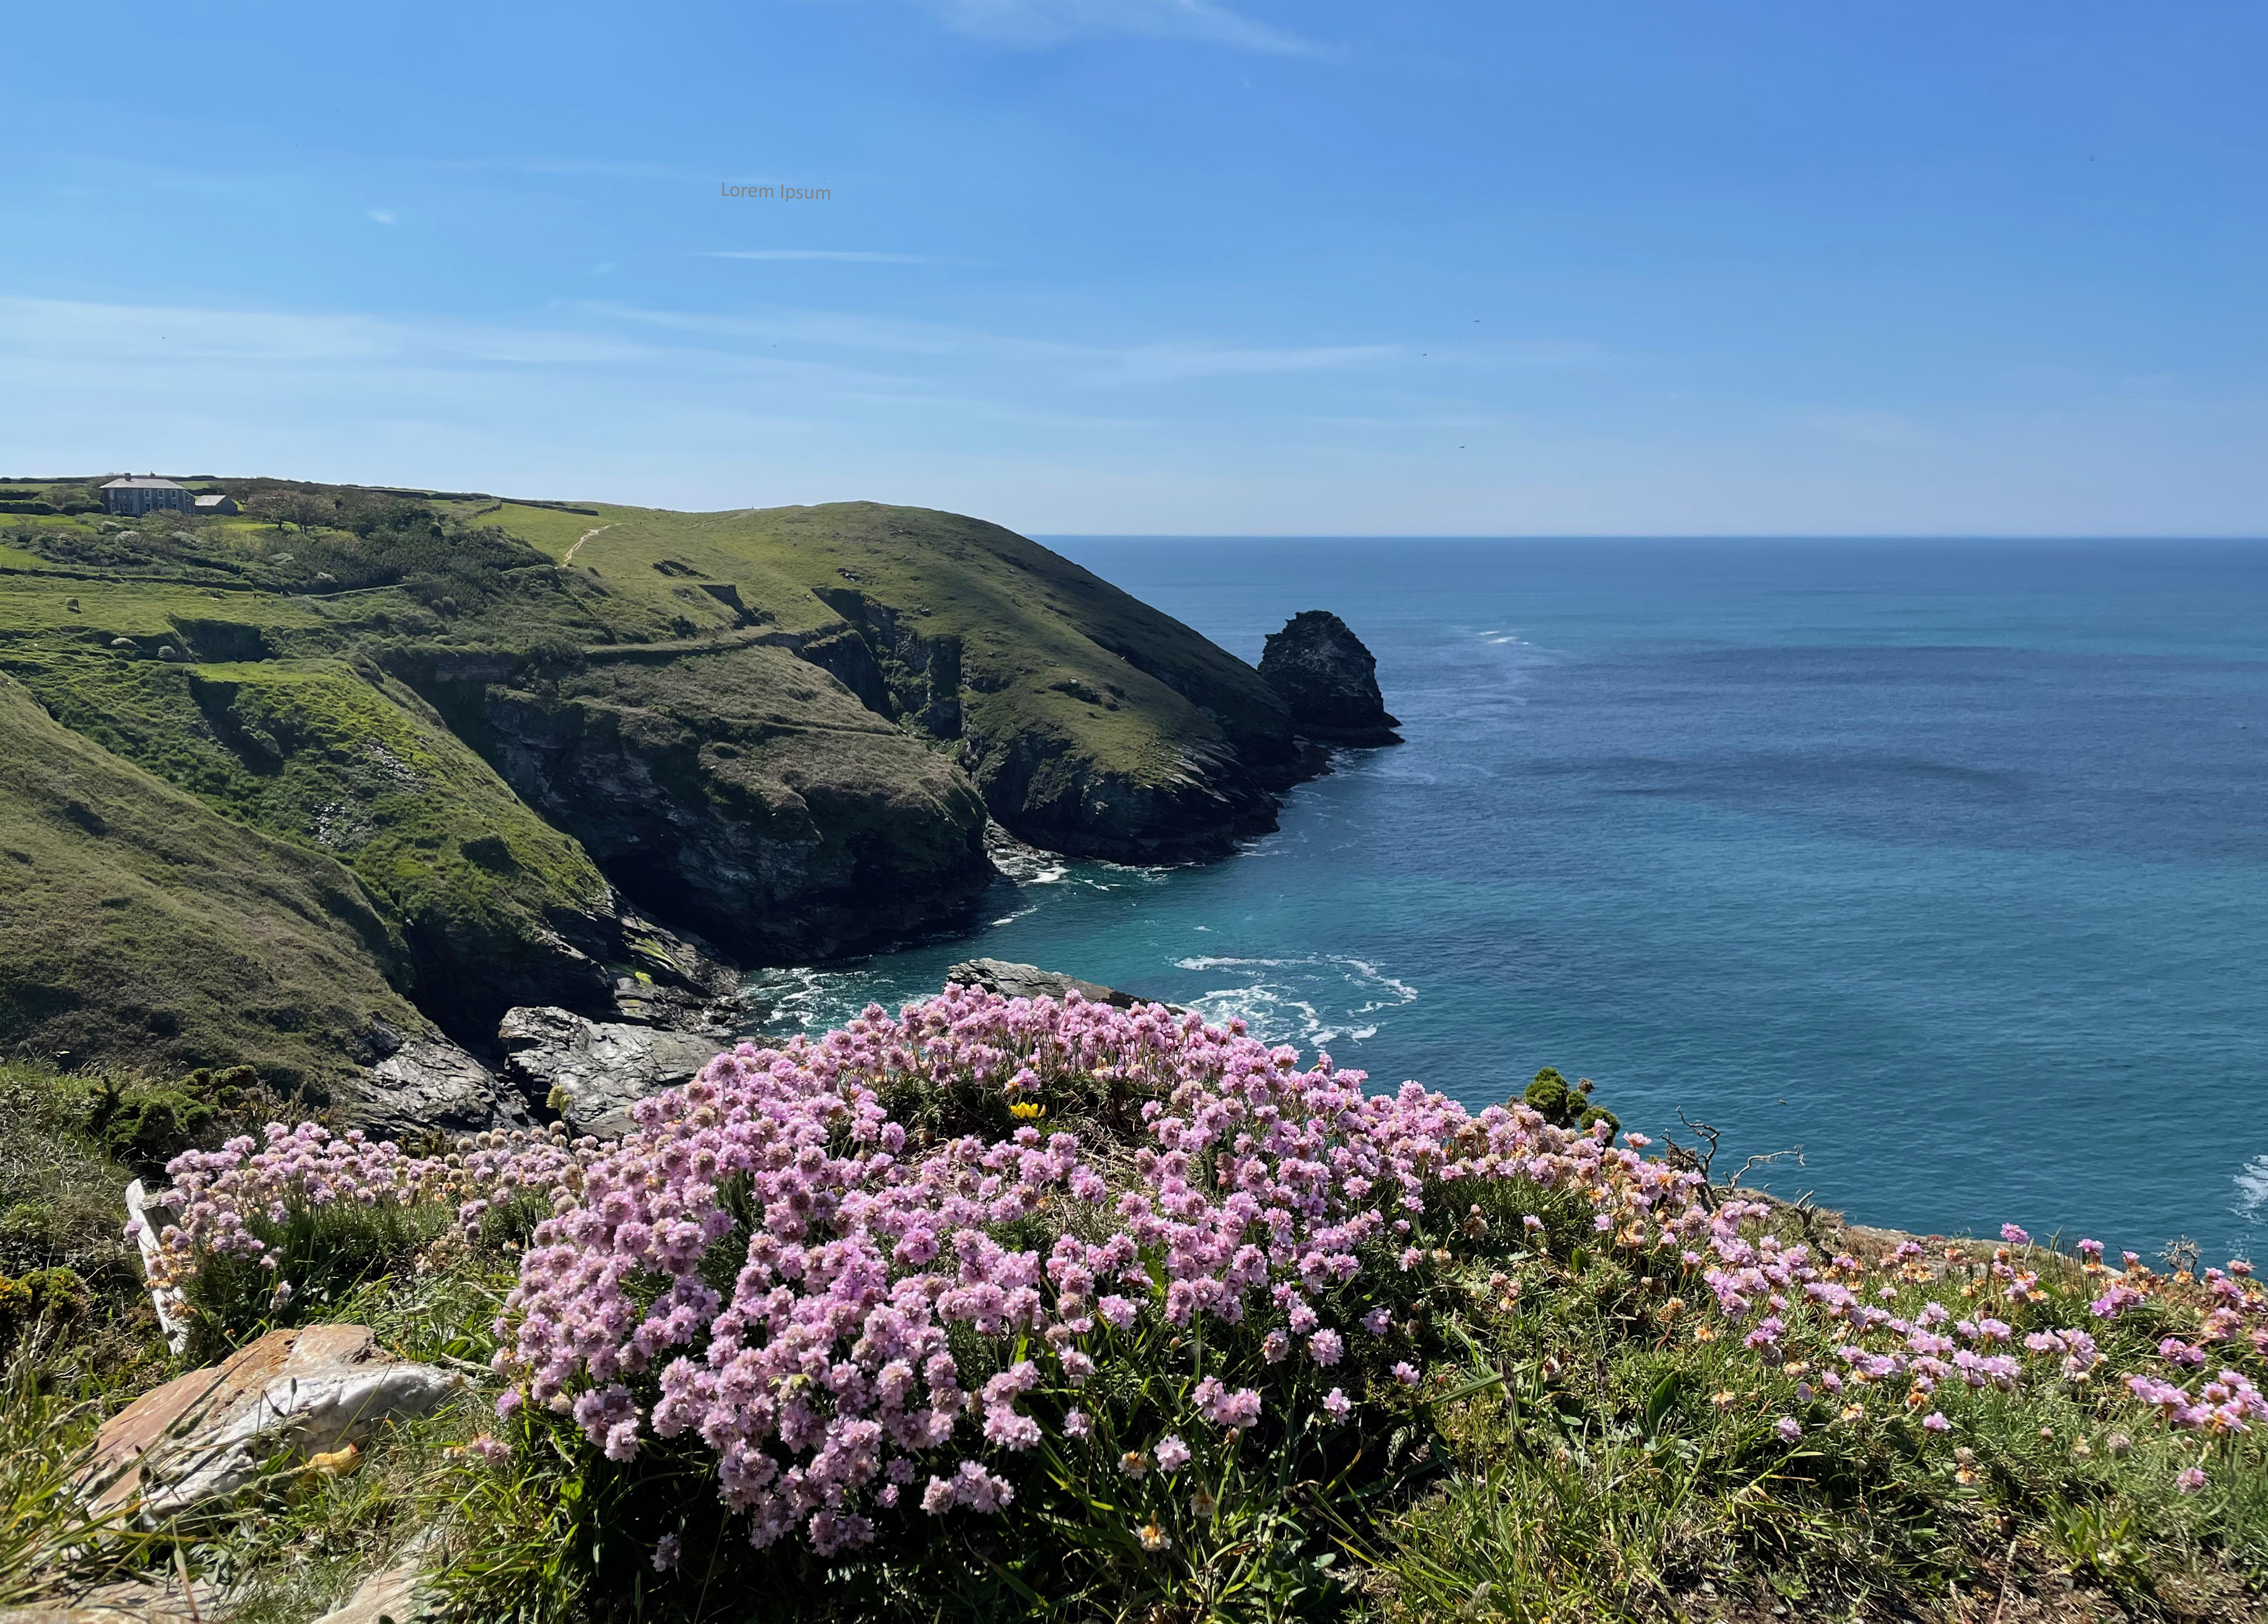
792 999
1315 999
2253 1189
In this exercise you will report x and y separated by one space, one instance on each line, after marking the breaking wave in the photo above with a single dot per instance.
1316 999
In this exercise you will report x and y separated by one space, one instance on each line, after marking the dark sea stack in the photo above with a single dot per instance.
1322 671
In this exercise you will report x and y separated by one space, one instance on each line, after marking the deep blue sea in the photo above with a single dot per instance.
1944 861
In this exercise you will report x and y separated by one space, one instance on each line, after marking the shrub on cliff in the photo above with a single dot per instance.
1565 1104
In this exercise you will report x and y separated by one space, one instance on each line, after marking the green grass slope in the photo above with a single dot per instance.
1091 722
496 906
139 926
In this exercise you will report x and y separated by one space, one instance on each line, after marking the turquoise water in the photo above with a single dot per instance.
1944 861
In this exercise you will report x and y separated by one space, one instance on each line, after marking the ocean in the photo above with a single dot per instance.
1944 862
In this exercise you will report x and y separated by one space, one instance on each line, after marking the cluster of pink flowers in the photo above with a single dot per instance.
2221 1406
1821 1301
826 1382
216 1195
1260 1194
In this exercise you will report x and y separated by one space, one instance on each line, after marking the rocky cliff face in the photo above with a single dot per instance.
1329 680
589 1074
743 792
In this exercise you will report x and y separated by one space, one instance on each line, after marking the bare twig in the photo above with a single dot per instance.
1696 1160
1766 1159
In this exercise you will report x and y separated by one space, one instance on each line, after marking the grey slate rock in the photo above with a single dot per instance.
1322 672
591 1072
430 1082
202 1438
1010 979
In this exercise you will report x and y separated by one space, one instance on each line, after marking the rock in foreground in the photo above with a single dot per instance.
1322 672
202 1436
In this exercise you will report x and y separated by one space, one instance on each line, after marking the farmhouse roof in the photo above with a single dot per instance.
139 482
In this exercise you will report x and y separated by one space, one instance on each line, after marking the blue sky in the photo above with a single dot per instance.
1162 265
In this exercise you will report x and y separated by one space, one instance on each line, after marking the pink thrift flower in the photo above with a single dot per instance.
1336 1405
1173 1454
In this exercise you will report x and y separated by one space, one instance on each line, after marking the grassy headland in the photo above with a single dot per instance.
519 727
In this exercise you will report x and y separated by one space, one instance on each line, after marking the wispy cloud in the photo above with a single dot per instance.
384 216
848 256
1090 365
1049 22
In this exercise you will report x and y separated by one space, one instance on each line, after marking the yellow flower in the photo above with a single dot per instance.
337 1463
1025 1110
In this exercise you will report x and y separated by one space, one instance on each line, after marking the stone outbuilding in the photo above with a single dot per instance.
217 505
146 493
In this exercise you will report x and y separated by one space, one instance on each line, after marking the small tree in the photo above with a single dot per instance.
270 507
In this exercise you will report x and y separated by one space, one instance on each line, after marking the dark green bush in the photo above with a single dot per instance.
1567 1105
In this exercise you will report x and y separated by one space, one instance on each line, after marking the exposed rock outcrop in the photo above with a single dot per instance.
590 1073
203 1437
741 793
1010 979
426 1083
1329 680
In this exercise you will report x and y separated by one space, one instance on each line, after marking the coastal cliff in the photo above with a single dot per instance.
518 755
